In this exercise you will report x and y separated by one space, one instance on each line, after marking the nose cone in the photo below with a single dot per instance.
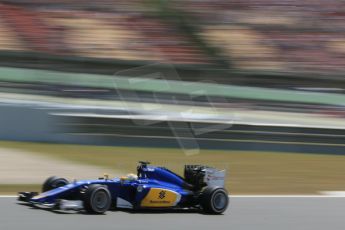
51 195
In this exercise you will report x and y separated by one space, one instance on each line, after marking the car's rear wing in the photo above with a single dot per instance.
214 177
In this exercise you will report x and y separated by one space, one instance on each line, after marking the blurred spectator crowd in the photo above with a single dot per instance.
100 29
269 35
291 35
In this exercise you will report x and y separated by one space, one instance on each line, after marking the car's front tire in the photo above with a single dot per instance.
214 200
97 199
53 182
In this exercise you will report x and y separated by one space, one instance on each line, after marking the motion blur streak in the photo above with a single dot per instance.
255 87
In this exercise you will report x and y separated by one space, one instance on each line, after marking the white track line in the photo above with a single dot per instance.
285 196
322 194
334 193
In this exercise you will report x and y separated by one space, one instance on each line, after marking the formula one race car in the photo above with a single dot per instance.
152 188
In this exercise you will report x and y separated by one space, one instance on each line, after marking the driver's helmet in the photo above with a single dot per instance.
129 177
132 176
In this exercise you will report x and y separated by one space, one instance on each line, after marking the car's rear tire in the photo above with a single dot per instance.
54 182
214 200
97 199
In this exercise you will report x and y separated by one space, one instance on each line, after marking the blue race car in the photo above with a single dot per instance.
152 188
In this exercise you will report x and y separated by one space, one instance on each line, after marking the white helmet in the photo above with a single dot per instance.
132 176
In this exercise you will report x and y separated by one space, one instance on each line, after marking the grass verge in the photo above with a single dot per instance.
247 172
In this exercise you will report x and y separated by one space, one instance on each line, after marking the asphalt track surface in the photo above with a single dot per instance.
266 213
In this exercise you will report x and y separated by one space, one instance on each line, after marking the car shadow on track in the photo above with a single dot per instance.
141 211
30 206
160 211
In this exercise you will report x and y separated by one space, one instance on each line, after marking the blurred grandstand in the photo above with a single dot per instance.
105 29
267 35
